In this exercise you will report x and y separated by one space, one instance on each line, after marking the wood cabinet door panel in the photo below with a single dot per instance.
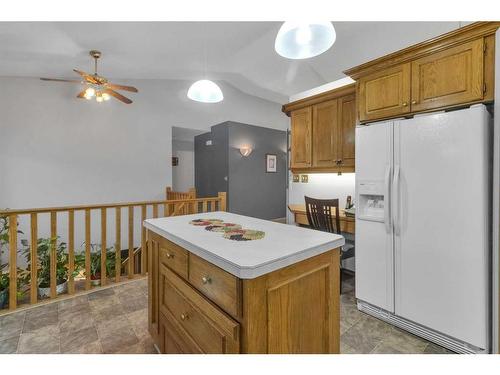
324 134
205 324
301 128
385 93
346 131
173 339
449 77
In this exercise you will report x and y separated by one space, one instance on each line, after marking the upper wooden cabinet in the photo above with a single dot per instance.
452 76
454 69
385 93
324 134
322 128
301 129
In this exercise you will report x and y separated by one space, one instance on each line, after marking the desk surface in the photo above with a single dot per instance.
301 209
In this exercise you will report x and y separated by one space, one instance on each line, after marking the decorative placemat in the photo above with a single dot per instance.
222 227
244 235
230 231
205 222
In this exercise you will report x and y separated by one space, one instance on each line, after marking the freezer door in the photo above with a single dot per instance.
441 219
374 243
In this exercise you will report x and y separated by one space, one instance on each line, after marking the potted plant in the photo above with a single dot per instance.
43 265
95 263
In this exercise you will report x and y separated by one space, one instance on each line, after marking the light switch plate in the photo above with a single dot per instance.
296 178
304 178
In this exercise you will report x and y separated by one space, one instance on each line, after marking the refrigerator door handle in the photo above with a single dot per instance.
387 199
395 190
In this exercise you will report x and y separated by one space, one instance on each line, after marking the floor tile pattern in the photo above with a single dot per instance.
114 320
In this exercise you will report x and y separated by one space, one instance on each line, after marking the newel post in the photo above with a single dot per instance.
222 200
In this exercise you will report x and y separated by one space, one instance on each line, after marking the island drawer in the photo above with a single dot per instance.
220 286
210 328
173 338
173 256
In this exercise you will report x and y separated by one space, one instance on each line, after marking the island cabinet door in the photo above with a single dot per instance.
153 318
449 77
201 325
385 93
295 309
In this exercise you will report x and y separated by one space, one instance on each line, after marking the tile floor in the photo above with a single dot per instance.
114 320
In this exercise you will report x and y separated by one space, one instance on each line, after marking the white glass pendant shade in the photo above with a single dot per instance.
302 40
205 91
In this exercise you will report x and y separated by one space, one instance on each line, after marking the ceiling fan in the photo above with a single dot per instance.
96 85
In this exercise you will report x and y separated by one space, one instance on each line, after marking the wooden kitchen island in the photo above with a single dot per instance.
210 294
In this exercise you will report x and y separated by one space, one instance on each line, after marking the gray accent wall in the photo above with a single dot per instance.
251 191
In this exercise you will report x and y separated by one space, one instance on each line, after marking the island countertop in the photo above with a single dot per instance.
282 245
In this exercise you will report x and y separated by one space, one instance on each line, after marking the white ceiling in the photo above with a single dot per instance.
240 53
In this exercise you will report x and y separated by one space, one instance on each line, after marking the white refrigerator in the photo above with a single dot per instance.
423 225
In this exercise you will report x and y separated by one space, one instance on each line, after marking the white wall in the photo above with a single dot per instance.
58 150
183 173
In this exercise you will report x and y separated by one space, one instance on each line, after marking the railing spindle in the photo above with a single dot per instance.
34 258
204 206
71 251
103 246
144 250
131 242
12 262
53 254
118 244
222 201
155 211
87 249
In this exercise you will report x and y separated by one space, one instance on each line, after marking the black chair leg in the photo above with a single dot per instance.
341 281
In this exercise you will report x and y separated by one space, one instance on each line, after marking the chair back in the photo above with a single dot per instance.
321 216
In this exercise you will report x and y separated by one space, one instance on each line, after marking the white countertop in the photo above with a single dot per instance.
282 245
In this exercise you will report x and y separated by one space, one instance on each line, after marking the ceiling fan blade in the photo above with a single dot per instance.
88 77
121 87
81 95
61 80
118 96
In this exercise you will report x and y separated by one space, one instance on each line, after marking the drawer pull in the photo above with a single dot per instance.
206 280
169 256
184 316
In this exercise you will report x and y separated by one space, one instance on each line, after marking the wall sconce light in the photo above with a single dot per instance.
245 150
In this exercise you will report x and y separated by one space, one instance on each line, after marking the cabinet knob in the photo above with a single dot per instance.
184 316
169 256
206 280
405 104
413 102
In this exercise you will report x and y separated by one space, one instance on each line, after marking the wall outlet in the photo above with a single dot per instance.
296 178
304 178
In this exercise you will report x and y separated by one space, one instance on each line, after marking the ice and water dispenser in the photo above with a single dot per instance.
371 200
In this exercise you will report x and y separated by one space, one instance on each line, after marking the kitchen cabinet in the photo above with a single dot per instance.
322 131
385 93
449 77
276 303
452 70
301 129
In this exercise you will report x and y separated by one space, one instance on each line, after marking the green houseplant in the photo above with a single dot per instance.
95 262
43 265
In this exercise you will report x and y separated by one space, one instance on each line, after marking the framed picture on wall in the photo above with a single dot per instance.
271 160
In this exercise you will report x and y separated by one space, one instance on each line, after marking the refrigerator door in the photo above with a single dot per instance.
441 220
374 243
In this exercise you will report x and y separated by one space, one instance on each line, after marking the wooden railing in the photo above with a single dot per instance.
81 274
170 194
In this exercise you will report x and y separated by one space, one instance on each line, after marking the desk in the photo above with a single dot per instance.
347 223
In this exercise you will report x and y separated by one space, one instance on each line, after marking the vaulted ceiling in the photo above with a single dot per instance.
239 53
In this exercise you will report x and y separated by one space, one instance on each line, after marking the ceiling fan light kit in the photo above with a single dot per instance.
97 86
303 40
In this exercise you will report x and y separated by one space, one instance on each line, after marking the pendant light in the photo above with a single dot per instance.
204 90
302 40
